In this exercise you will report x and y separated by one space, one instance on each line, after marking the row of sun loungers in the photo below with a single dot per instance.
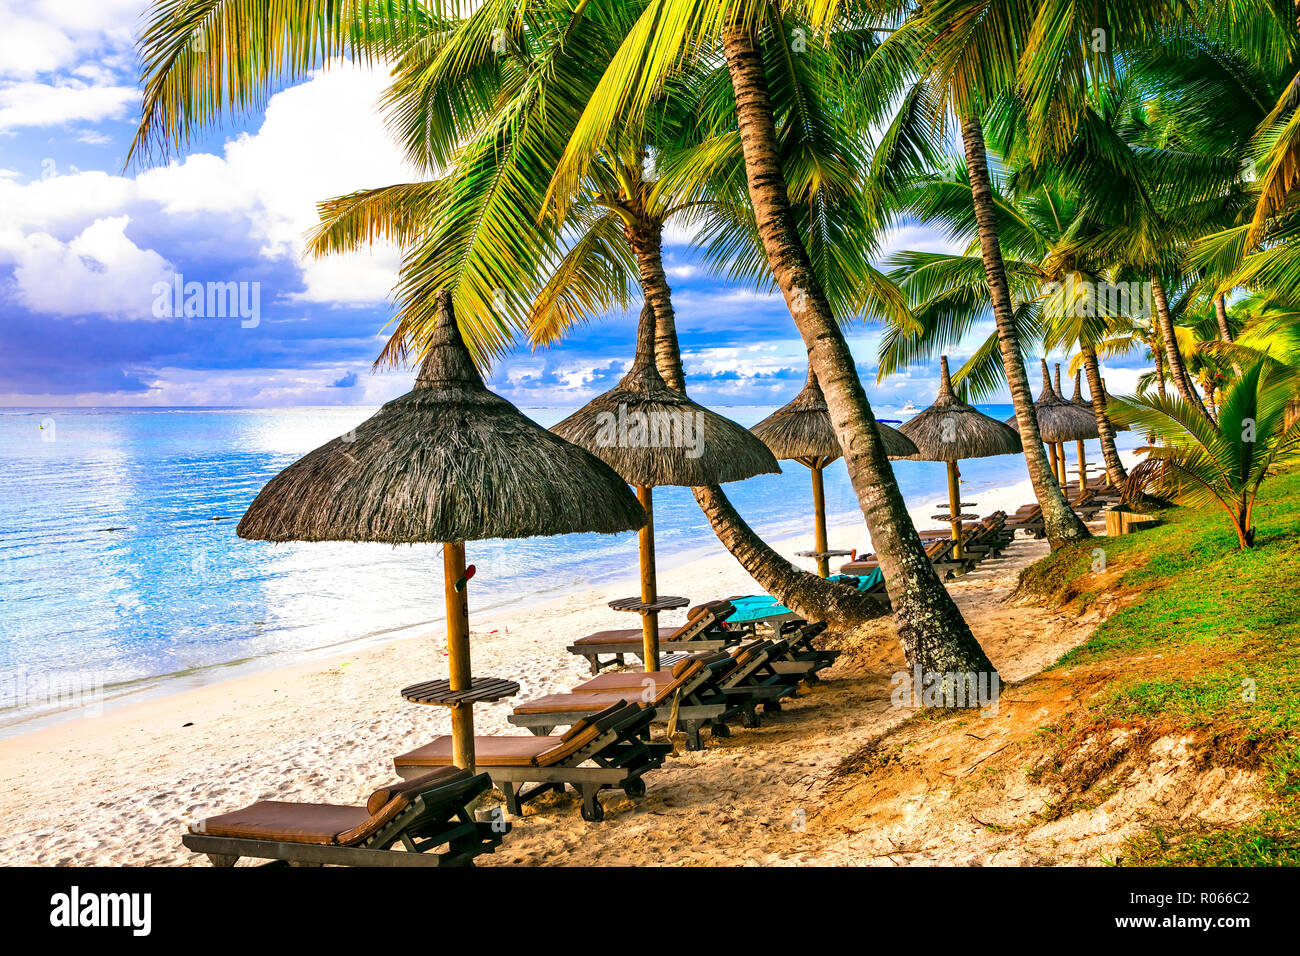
715 670
980 539
1086 503
607 745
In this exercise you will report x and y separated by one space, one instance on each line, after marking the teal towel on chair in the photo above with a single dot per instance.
863 582
756 607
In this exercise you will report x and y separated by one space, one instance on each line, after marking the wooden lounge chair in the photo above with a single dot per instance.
1029 519
422 814
1086 504
871 585
701 632
1108 493
690 697
990 537
938 550
604 751
754 680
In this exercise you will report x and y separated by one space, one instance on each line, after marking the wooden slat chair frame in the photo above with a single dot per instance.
434 818
990 537
1028 518
751 683
802 659
620 751
759 682
696 703
1086 504
699 634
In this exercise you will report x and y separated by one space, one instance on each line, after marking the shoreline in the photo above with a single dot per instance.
842 532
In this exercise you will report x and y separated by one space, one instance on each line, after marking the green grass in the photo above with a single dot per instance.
1207 626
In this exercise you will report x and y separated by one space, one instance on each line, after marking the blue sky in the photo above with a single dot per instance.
84 246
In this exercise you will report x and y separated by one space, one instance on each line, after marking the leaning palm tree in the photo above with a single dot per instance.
1200 462
1057 300
932 631
566 270
667 33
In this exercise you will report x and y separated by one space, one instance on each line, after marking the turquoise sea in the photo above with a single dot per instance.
120 568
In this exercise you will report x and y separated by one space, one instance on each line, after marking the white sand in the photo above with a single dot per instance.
120 788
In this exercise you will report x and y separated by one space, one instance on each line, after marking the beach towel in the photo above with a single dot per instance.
863 582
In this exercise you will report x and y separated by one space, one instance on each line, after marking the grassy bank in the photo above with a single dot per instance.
1205 643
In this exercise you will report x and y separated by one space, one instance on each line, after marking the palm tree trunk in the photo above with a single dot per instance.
1059 520
1221 313
646 240
1105 430
1173 358
806 594
1157 353
934 635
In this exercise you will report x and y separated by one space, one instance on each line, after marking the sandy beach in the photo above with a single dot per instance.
327 731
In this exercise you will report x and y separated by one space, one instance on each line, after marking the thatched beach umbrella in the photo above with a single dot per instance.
802 431
654 435
450 462
950 430
1058 422
1069 422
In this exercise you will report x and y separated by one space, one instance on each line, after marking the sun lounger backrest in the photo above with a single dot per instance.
606 728
700 669
449 786
701 618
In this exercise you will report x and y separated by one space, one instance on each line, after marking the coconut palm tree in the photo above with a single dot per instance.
932 630
668 33
610 236
1225 462
1058 298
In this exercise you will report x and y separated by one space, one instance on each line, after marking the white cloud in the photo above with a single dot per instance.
320 139
43 104
54 34
100 272
915 238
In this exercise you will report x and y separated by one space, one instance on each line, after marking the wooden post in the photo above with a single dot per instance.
1051 459
1083 466
819 517
954 507
462 716
1060 459
649 619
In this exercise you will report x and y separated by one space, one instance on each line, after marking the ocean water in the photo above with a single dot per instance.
121 574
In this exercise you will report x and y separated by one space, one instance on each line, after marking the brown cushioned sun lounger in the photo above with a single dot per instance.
751 682
1028 518
701 632
690 698
604 751
938 550
421 814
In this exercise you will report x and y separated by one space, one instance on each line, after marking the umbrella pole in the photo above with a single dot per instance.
1060 456
1051 460
1083 474
649 619
819 517
462 715
954 507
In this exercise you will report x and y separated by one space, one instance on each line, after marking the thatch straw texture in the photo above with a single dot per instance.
654 435
1058 419
802 429
447 461
951 430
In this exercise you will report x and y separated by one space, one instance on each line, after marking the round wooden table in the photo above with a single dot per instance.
482 690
